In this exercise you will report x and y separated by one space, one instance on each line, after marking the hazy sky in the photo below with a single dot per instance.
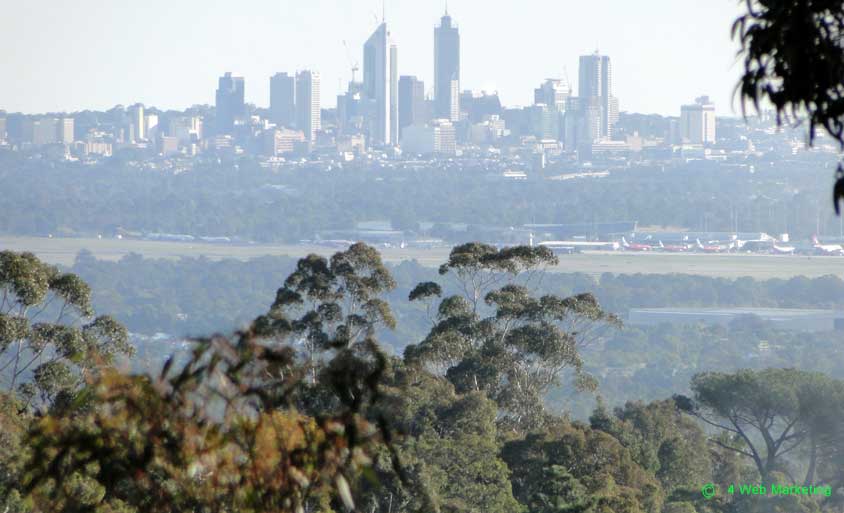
58 55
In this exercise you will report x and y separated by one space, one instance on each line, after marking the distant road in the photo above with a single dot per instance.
63 251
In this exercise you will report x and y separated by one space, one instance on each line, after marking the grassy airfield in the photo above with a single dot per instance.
64 250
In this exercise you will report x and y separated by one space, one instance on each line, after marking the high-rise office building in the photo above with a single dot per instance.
595 81
380 86
351 111
447 70
308 104
137 122
18 128
45 131
480 104
544 122
554 93
231 104
697 122
411 101
394 94
283 100
151 126
65 131
582 123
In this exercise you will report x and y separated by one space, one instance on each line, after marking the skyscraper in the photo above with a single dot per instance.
380 87
595 81
282 100
230 102
65 134
447 70
394 93
582 123
137 122
308 104
351 110
697 122
150 126
411 101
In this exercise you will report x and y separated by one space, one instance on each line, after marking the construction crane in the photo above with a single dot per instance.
352 64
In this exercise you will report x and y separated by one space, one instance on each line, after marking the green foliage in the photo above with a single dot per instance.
573 468
661 440
13 425
447 444
192 296
519 351
46 359
767 414
239 427
337 300
301 410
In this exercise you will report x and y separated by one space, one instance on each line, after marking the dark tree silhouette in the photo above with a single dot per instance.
793 58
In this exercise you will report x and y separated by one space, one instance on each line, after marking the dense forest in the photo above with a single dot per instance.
301 410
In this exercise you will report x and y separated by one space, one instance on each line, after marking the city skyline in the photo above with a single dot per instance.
411 26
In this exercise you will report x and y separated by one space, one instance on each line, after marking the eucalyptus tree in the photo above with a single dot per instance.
50 340
499 337
236 428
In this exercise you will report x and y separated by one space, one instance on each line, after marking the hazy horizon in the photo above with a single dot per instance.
169 55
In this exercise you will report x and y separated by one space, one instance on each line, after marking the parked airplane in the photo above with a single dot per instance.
580 245
673 248
783 250
634 247
827 249
710 248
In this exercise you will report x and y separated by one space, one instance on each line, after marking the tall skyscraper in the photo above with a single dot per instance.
447 70
308 104
282 100
230 102
65 128
151 126
394 94
137 122
380 85
697 122
595 81
411 101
